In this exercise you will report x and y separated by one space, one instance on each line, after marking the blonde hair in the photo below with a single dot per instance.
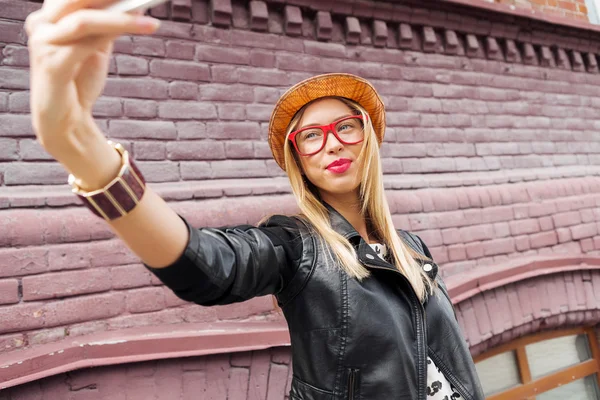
374 208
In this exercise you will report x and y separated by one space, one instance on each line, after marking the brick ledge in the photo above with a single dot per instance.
138 344
464 286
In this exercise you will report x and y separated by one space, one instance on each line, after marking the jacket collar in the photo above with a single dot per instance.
340 224
365 253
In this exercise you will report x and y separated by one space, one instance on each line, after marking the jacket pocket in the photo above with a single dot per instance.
353 384
305 391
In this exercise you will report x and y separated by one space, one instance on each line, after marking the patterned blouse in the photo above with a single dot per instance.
438 387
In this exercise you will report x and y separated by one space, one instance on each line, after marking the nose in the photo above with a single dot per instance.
332 143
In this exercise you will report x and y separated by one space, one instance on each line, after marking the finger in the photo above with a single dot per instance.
62 63
85 23
57 9
33 20
53 10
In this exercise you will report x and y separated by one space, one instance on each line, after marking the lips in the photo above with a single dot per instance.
340 165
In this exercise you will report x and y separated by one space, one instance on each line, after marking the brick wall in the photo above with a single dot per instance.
574 9
491 154
258 375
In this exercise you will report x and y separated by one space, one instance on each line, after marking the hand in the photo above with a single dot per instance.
70 42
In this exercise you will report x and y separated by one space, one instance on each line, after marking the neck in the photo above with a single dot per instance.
349 207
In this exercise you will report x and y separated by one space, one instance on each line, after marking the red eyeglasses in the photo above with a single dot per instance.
312 139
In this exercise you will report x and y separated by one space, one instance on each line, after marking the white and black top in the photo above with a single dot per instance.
438 387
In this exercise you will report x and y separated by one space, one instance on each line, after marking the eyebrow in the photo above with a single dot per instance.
335 119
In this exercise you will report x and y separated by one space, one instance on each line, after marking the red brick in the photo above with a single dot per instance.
457 253
22 317
221 11
544 239
137 88
140 108
263 76
239 169
176 69
474 250
9 291
222 92
183 90
8 150
131 129
19 261
191 130
180 50
12 32
259 374
277 382
128 65
233 130
17 56
566 219
186 110
158 171
524 226
34 173
149 151
129 276
195 150
476 233
193 170
232 112
259 15
145 300
499 246
15 125
583 231
239 150
64 284
224 55
147 46
11 342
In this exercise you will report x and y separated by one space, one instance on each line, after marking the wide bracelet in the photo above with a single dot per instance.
120 195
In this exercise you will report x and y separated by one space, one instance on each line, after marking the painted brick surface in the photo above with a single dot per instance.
491 155
258 375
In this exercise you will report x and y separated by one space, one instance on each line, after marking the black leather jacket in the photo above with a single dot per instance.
350 340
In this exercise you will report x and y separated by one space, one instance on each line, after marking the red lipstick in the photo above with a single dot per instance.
339 166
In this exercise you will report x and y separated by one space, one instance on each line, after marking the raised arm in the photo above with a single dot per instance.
70 48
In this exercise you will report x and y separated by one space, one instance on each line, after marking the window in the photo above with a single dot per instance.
593 7
553 365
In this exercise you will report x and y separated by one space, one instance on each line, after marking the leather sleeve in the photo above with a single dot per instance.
233 264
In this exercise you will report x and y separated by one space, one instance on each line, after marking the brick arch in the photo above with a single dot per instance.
495 306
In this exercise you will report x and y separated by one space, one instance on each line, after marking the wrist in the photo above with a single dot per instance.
122 193
90 158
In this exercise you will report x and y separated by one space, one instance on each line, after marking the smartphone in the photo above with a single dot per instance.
134 5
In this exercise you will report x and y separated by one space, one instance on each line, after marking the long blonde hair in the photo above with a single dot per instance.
374 208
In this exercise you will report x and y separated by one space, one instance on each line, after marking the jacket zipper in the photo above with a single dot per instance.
421 340
351 383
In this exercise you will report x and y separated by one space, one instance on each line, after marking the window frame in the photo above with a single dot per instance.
529 388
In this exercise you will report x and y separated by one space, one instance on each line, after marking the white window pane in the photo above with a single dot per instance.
555 354
593 8
498 373
583 389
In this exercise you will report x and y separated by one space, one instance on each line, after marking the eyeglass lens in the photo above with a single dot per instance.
348 130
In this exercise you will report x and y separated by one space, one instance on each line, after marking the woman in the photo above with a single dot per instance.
368 313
